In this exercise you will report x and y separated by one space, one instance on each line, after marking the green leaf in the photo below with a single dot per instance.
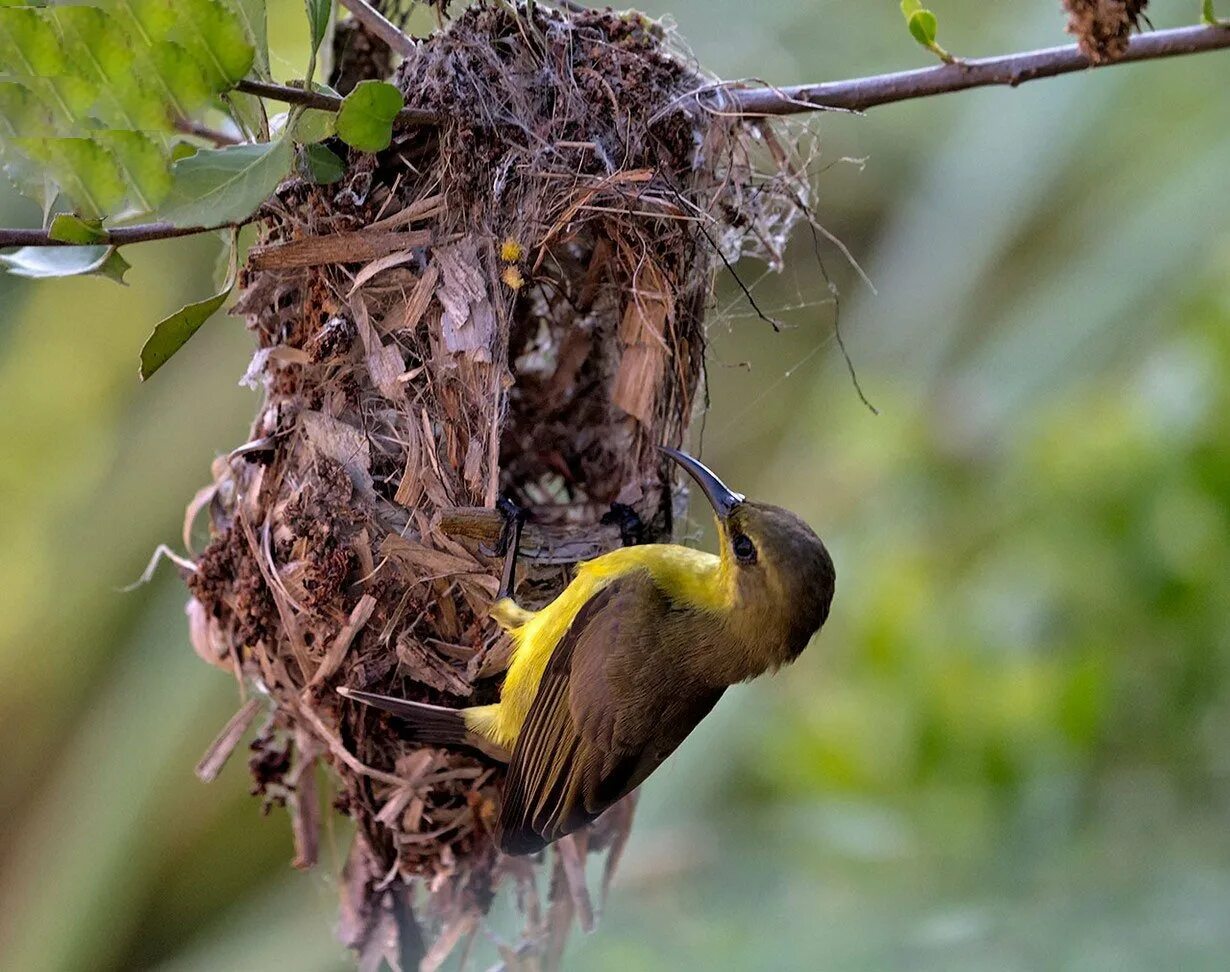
321 165
1208 15
225 185
923 26
365 120
176 76
29 43
314 125
149 21
248 113
183 150
21 111
144 165
42 262
318 20
84 170
252 13
172 333
215 37
68 228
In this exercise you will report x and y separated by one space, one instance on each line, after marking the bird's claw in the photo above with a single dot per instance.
515 517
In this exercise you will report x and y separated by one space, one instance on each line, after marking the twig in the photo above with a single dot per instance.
853 95
1010 70
220 139
381 26
325 102
120 236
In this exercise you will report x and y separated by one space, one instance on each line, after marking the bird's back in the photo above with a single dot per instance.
687 577
615 697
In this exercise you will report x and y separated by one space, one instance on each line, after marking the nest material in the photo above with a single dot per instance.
1104 28
511 302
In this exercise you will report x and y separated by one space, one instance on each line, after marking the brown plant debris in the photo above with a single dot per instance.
1103 28
511 302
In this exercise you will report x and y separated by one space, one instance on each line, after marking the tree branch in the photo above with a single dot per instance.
120 236
854 95
325 102
381 26
1010 70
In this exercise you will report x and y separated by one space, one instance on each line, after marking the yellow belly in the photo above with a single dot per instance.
691 576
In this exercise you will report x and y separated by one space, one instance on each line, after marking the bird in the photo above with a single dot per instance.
608 679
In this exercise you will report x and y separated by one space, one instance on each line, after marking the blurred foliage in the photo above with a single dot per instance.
1006 750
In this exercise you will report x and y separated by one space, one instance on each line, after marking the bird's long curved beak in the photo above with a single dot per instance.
720 496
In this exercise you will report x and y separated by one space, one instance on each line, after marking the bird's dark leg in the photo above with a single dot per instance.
631 526
509 544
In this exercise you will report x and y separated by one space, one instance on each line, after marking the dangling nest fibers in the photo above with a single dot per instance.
508 302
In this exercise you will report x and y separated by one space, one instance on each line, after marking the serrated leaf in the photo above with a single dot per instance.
252 13
177 77
225 185
172 333
21 112
93 43
214 35
43 262
143 164
923 27
68 228
321 165
102 54
149 21
28 177
83 170
365 120
29 43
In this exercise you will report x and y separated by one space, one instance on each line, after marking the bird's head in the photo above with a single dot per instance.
781 575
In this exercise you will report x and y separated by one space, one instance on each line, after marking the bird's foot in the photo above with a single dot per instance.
509 544
514 519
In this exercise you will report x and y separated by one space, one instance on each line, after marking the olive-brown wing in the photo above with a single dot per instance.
613 703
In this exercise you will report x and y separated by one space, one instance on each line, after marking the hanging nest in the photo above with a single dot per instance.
509 302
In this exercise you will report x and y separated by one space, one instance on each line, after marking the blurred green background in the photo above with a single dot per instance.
1007 749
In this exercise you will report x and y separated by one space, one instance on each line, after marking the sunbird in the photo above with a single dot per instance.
608 679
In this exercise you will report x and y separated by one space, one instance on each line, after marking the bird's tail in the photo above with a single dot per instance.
434 725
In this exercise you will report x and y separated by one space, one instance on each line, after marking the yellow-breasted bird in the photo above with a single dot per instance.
610 677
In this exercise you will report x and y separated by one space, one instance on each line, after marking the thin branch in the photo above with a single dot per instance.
219 139
120 236
381 26
854 95
325 102
1010 70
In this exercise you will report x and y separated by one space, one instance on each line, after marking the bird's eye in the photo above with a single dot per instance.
745 550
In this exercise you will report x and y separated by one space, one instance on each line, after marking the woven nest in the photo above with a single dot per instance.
509 302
